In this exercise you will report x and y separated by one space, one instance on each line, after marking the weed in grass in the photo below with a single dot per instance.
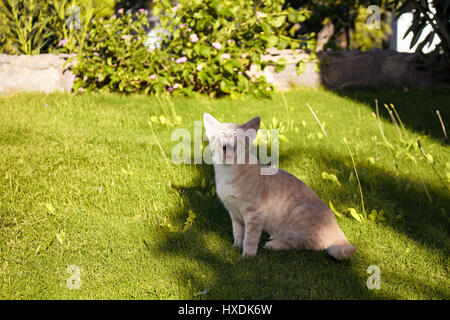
169 114
317 119
159 145
336 213
429 159
394 121
331 177
189 220
442 124
353 211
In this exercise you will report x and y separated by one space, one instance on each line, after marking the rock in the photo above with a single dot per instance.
45 73
288 78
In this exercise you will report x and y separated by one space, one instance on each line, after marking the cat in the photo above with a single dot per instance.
280 204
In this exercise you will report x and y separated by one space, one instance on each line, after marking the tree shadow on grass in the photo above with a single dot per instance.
207 248
212 264
416 108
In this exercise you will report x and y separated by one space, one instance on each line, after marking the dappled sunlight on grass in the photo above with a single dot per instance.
84 181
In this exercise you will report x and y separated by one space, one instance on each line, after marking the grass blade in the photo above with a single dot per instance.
318 121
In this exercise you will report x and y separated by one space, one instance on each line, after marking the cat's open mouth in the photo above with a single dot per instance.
228 151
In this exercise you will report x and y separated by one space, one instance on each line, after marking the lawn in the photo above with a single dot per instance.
84 181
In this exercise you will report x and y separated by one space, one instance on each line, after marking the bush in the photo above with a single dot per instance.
115 57
364 36
207 47
349 20
34 27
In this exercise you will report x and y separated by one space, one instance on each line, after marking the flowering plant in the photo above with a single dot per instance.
214 42
206 46
115 57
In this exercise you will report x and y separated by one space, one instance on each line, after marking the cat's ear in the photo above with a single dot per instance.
210 123
252 124
251 127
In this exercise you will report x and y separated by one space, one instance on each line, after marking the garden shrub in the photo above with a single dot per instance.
115 57
207 47
349 20
34 27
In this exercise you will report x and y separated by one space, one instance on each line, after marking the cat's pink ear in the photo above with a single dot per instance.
252 124
251 128
210 123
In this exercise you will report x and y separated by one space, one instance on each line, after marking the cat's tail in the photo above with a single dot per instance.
341 252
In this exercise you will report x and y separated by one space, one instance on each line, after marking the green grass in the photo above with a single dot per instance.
83 182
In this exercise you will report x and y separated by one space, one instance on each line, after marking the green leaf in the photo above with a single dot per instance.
373 215
272 41
224 86
242 83
355 215
229 67
205 51
203 76
50 209
330 177
189 220
282 43
220 8
283 138
101 76
280 65
336 213
277 22
301 67
267 29
293 15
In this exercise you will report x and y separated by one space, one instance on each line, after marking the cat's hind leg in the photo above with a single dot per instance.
341 252
277 245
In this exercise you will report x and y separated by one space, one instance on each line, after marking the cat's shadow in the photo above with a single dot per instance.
206 247
207 260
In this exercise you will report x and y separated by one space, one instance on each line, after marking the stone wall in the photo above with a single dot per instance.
376 68
343 69
288 78
44 73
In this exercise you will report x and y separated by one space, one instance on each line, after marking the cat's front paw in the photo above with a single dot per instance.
238 244
249 253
